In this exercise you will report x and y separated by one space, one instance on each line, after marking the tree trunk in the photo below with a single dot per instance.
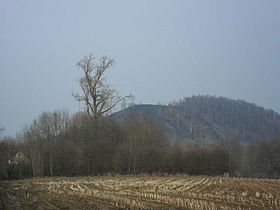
51 165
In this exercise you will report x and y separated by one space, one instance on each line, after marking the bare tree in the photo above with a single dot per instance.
98 97
42 140
35 147
143 138
276 158
51 126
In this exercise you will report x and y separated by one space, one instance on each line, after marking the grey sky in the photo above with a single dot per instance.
164 50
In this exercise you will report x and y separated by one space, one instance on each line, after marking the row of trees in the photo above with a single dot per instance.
56 144
92 143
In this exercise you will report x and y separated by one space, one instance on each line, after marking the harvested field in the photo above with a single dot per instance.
140 192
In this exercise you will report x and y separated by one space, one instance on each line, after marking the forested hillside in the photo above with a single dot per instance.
198 135
212 118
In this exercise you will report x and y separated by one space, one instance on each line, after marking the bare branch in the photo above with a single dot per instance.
114 104
99 98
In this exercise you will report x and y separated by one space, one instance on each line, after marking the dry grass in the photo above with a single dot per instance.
141 192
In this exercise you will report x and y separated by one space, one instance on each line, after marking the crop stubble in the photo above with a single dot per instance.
141 192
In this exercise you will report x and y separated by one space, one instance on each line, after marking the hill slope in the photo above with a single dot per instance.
211 118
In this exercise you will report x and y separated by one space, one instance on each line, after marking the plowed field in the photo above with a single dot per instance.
140 192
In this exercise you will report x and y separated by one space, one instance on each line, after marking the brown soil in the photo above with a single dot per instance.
140 192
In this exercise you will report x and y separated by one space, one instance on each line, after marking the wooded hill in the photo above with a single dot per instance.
144 138
198 135
200 118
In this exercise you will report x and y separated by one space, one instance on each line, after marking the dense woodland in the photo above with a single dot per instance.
57 144
249 121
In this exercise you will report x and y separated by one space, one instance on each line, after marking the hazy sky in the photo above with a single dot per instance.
163 50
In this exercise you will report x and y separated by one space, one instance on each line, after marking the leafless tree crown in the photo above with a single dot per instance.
98 97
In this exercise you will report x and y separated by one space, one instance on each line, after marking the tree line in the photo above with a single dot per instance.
91 142
56 144
238 119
